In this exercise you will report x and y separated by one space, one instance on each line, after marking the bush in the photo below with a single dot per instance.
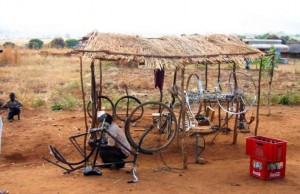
35 44
57 43
71 43
36 103
56 107
9 44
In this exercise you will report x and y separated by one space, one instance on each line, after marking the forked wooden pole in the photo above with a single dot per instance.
258 98
84 107
183 112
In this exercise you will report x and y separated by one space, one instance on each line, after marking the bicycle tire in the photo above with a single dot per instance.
171 137
236 90
136 100
111 104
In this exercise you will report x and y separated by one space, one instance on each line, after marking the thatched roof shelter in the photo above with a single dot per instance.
169 51
294 48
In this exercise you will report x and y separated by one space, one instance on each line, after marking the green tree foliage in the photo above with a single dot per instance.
9 44
35 43
71 42
57 43
285 39
268 65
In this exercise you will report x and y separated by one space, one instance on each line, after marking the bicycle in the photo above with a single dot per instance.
89 163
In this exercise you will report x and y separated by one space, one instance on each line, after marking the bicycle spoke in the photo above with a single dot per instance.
160 119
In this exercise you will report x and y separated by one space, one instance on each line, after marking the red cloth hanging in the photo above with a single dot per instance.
159 75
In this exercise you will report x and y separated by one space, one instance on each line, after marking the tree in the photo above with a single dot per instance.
71 43
57 43
35 44
9 44
272 36
268 65
284 39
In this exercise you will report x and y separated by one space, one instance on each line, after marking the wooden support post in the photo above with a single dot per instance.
219 108
258 98
183 112
94 95
100 81
84 107
100 86
237 107
206 84
235 133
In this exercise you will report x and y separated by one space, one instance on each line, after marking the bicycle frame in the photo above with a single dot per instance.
73 166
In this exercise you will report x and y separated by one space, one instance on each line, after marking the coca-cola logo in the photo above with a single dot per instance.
256 173
275 174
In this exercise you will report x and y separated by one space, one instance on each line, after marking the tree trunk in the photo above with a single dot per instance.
271 73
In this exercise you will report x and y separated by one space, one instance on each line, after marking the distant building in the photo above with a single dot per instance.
265 45
294 50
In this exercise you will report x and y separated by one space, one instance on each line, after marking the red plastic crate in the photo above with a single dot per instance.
267 170
266 148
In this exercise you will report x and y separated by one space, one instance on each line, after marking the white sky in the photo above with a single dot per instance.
151 17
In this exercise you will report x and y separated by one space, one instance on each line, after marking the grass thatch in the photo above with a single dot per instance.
169 51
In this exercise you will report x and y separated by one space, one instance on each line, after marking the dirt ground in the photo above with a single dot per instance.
24 143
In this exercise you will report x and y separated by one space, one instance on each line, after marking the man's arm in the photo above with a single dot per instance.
6 105
19 104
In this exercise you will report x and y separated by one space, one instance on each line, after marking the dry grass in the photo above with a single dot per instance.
35 77
43 81
293 66
10 56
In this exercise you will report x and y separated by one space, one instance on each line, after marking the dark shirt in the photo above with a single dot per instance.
12 104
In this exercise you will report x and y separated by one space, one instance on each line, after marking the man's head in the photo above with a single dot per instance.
12 96
107 117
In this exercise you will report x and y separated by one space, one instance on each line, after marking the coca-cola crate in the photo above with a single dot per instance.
267 170
266 148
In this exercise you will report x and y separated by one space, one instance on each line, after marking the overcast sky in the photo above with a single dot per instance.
150 17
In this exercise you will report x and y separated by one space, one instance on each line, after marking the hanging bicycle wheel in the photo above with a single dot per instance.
155 130
194 93
236 87
105 103
124 107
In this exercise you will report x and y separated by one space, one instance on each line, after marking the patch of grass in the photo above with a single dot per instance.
67 96
38 102
56 107
288 98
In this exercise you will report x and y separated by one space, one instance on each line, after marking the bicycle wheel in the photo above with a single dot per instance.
236 87
89 109
194 93
125 105
105 103
157 127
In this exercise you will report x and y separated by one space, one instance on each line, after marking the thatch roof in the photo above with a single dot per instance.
169 51
294 48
